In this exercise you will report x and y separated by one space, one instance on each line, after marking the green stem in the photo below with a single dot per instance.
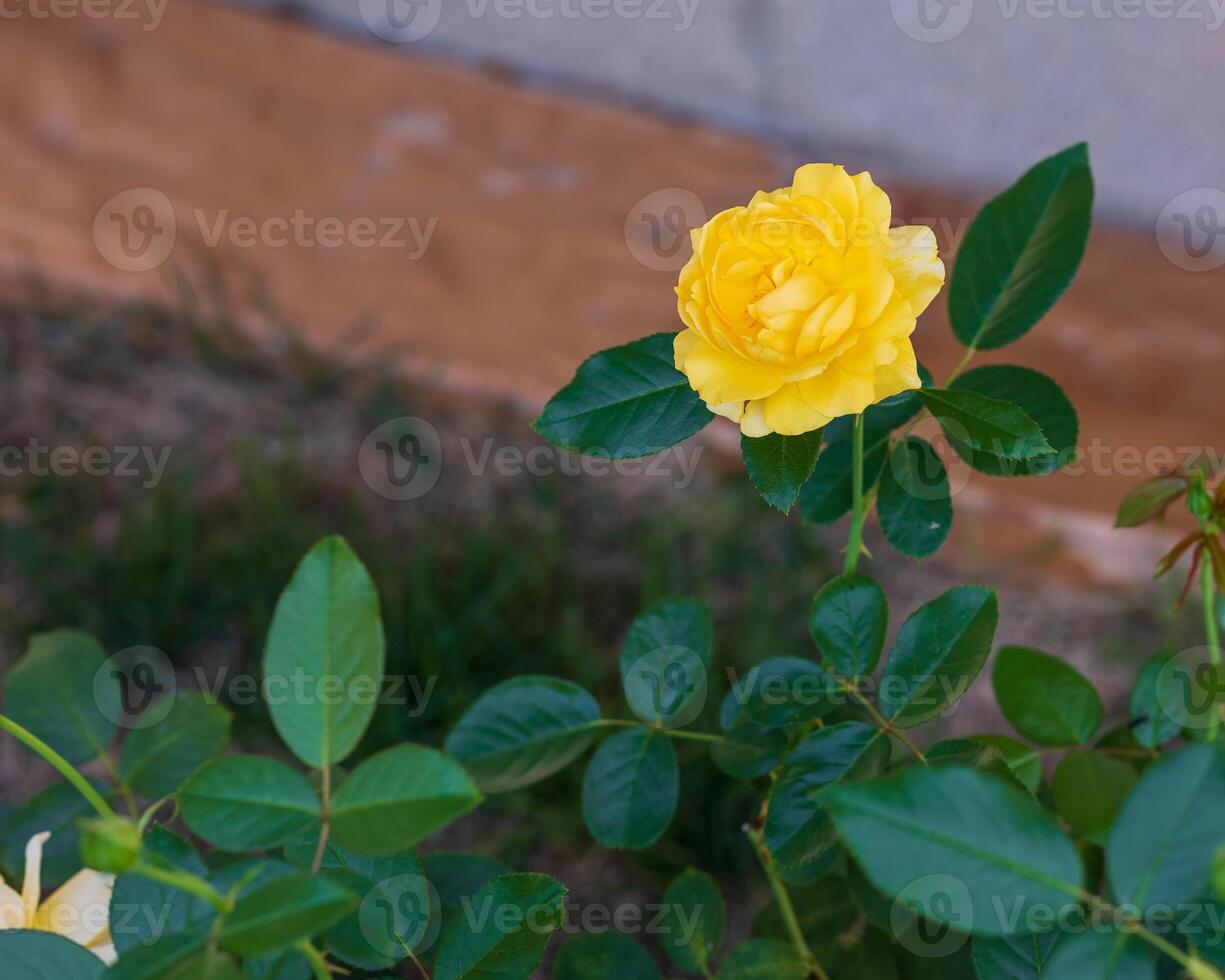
854 543
318 964
883 723
61 764
184 881
961 366
1211 627
783 900
678 733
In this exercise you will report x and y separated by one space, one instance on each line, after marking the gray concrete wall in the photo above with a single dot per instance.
953 91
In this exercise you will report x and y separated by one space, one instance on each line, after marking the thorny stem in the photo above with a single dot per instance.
61 764
855 543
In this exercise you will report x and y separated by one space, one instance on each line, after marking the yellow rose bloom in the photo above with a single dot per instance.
799 308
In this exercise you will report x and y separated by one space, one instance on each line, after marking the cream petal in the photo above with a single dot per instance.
12 909
32 889
79 909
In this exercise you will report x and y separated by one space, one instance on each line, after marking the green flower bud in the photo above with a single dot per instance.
1199 500
110 844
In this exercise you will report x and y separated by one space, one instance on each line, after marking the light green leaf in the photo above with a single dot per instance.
625 402
61 692
1150 500
1165 836
247 803
848 621
971 754
522 731
46 956
1022 251
1038 397
323 665
505 930
937 654
695 922
913 502
763 959
1045 699
630 789
1089 792
156 760
284 911
210 964
397 798
779 466
604 956
985 424
952 843
1025 763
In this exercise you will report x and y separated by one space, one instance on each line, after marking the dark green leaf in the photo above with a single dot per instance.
665 660
1025 763
669 623
284 911
1038 397
209 964
779 466
457 878
323 665
1155 688
848 621
142 909
1045 699
505 931
161 957
397 798
695 921
1089 791
986 424
1015 957
797 828
937 654
630 789
763 959
1021 252
625 402
784 691
1168 830
55 810
247 803
62 692
45 956
1150 500
604 956
523 731
825 911
156 760
828 494
974 755
913 503
1096 955
951 843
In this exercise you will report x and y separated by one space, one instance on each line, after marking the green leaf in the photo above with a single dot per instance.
784 691
604 956
1089 792
1150 500
625 402
457 879
163 955
323 665
1045 699
284 911
156 760
824 912
913 502
937 654
951 843
397 798
1096 955
779 466
695 922
1025 763
1022 251
55 810
748 750
1165 836
1155 688
1015 957
210 964
828 494
848 621
32 955
505 931
134 895
522 731
61 692
630 789
763 959
797 829
247 803
1038 397
986 424
665 661
971 754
